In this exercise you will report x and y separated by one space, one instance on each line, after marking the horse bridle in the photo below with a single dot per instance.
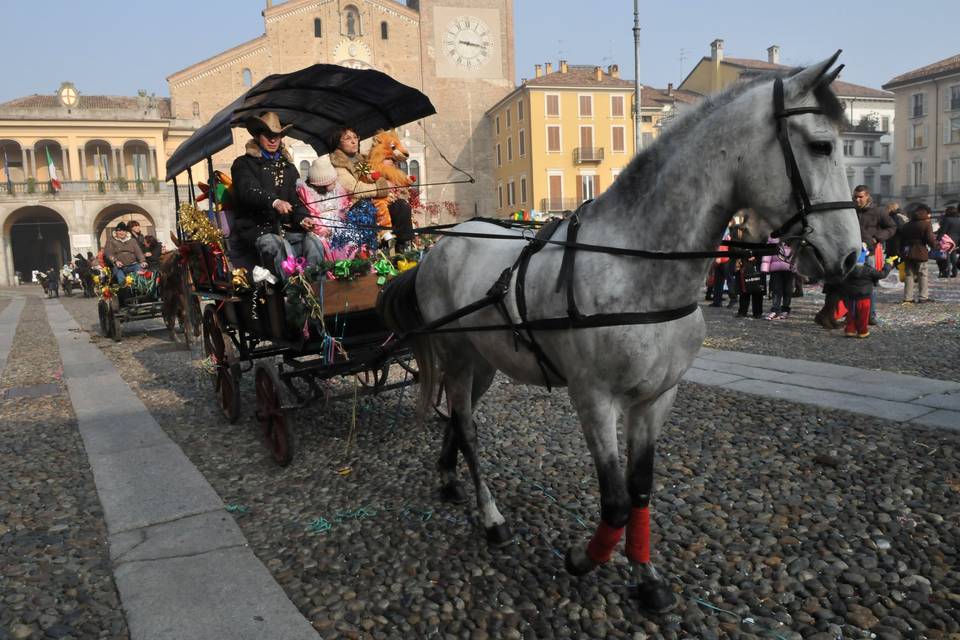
800 197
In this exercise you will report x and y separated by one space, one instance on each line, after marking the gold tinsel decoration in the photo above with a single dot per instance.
239 279
362 169
198 226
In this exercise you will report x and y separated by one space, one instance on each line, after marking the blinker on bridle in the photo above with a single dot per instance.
800 197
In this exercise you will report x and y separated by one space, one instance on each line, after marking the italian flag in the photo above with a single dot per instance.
52 168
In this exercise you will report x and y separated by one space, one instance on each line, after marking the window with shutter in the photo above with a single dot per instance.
498 125
596 186
616 106
509 149
523 190
586 106
553 139
500 196
618 139
522 143
499 159
553 105
512 193
520 111
918 107
586 142
556 192
507 114
953 131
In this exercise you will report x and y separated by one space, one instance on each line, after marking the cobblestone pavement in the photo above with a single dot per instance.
775 519
919 339
55 575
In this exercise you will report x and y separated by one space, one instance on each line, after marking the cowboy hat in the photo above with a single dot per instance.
321 172
266 122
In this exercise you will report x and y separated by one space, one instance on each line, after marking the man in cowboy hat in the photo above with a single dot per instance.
270 215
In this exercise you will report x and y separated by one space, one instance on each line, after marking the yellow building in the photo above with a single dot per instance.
108 155
928 142
563 136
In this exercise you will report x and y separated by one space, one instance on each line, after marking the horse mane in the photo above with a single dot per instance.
643 168
380 151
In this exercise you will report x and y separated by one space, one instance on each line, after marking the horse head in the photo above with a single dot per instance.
798 184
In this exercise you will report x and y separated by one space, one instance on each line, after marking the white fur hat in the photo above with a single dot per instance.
322 172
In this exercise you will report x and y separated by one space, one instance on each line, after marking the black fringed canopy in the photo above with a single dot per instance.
317 101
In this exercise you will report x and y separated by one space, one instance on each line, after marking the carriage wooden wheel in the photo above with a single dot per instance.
114 324
102 312
275 423
224 365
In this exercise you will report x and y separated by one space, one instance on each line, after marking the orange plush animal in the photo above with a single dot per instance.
384 156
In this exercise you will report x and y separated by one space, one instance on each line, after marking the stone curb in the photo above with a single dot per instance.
182 566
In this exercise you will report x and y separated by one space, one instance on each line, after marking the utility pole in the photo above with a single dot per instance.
637 138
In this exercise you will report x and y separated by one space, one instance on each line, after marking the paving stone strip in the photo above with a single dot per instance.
181 564
9 317
892 396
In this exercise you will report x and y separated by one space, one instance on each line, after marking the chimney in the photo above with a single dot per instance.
269 3
716 50
548 67
773 54
669 88
563 66
598 73
614 71
537 70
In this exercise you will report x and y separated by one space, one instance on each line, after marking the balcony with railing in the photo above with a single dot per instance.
948 188
915 190
82 188
555 205
587 154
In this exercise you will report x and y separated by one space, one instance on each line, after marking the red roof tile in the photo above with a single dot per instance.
93 103
578 76
943 67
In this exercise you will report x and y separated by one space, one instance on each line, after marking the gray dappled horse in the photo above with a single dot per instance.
678 195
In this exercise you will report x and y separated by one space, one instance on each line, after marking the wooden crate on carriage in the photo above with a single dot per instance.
344 296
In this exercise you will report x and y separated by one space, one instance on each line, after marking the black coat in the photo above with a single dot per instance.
876 225
257 182
859 283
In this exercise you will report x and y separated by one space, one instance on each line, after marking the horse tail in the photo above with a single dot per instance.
398 308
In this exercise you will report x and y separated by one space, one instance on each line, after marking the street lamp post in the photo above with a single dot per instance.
637 138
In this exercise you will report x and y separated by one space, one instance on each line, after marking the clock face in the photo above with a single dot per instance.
467 42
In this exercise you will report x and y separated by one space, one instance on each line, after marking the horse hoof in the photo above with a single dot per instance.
453 493
656 597
578 563
499 535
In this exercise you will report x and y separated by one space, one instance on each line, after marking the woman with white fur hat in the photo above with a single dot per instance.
327 202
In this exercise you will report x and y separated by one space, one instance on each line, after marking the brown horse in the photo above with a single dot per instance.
175 295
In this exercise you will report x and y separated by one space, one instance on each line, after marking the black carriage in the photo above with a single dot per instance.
245 324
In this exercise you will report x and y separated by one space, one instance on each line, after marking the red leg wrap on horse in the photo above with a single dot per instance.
604 540
638 535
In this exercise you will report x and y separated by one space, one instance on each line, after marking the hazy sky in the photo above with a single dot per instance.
116 47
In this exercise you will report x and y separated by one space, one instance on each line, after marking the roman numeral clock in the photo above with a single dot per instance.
467 42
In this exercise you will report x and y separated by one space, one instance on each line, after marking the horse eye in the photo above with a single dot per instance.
821 148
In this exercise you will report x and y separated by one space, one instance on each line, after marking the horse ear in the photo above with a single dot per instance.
806 79
828 79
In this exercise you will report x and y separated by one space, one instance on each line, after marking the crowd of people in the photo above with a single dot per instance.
891 238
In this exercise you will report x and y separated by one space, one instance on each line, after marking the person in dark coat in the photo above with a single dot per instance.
949 226
916 238
857 289
270 216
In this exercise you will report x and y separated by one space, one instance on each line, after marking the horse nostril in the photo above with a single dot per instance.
850 262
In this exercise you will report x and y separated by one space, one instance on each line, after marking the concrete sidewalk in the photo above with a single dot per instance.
891 396
181 564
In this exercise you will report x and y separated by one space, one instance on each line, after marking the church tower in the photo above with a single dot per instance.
467 66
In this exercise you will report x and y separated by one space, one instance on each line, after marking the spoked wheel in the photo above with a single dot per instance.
213 348
102 311
228 391
275 424
114 328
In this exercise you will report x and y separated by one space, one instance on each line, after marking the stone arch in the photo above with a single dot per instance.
98 161
35 238
57 153
113 214
15 161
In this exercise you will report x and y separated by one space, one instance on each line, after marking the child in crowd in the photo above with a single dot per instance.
856 290
779 270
